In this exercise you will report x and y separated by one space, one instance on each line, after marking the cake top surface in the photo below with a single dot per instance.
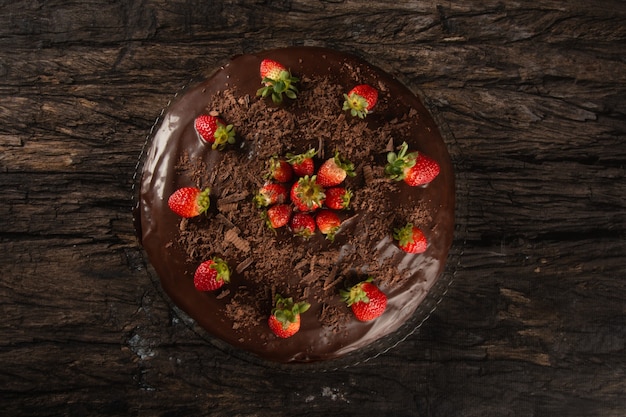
265 262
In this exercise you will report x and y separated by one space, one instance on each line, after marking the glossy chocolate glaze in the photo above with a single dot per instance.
159 228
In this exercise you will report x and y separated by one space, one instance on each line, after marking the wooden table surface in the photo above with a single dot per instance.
532 100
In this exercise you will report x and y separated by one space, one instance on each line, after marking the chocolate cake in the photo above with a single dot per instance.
264 262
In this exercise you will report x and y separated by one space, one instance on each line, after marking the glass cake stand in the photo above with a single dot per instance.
382 346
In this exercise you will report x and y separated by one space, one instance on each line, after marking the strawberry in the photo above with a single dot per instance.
360 100
272 193
410 239
306 194
302 164
284 320
189 201
414 168
277 80
365 300
333 171
302 224
424 171
212 129
328 222
337 198
277 216
211 275
279 170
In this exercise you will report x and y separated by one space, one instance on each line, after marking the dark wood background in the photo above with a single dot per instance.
532 97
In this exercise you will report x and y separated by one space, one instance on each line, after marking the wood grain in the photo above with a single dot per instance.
532 100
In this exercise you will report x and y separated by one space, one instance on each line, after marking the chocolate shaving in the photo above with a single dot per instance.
243 265
234 198
232 236
330 281
222 219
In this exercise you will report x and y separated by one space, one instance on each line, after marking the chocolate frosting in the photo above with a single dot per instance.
264 263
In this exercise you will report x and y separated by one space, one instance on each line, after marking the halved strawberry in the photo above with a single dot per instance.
366 300
334 170
277 80
303 163
211 275
284 320
272 193
189 201
328 223
277 216
214 130
306 194
410 239
360 100
337 198
302 224
414 168
279 170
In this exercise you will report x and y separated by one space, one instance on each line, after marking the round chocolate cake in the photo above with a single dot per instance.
264 259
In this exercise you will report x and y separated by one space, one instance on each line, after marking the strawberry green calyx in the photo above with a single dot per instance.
344 164
295 159
204 200
276 87
360 100
356 104
399 163
286 311
404 235
356 293
224 135
223 271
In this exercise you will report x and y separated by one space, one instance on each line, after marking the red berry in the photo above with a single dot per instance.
211 275
189 201
280 170
328 223
302 224
212 129
337 198
411 239
271 69
277 216
269 194
284 320
284 330
333 171
366 300
277 80
360 100
424 171
306 194
412 167
303 163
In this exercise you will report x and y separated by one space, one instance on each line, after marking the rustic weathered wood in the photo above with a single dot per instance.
532 96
